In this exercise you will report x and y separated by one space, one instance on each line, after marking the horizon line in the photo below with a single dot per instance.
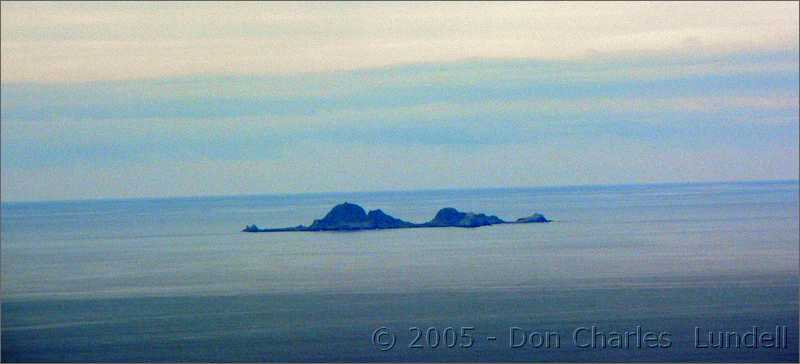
287 194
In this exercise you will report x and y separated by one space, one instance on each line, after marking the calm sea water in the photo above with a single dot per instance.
175 280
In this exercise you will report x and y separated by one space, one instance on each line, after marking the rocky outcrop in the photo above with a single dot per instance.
449 216
533 218
251 229
380 220
348 217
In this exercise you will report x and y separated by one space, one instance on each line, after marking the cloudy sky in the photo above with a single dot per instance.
155 99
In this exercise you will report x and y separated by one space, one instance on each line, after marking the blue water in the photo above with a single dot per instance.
175 280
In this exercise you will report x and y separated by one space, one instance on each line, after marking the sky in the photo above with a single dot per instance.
125 100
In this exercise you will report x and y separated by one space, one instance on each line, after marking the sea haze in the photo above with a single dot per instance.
176 280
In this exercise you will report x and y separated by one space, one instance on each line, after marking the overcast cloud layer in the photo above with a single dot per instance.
147 99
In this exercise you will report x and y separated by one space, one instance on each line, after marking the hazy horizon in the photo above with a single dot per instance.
479 188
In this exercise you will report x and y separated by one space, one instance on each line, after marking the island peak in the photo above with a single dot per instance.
449 216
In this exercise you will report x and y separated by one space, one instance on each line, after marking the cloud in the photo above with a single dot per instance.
757 81
79 41
144 99
336 167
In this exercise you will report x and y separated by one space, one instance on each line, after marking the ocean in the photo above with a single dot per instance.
660 272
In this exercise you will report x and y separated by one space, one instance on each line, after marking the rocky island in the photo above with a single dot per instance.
348 217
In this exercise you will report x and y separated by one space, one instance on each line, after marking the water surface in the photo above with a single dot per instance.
175 280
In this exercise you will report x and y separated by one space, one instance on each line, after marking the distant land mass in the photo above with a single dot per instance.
348 217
